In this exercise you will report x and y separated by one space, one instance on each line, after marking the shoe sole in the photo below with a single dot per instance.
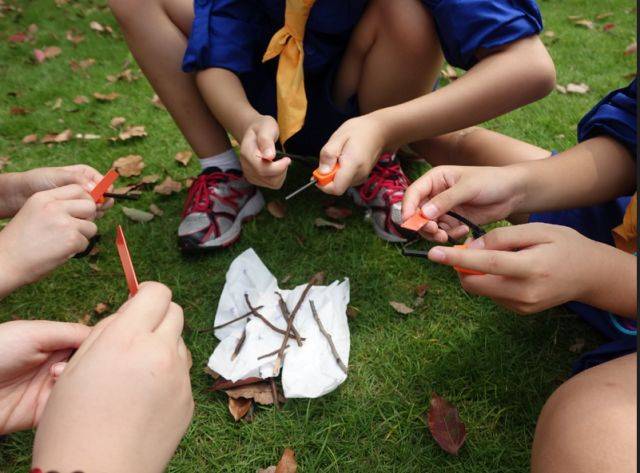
248 212
386 236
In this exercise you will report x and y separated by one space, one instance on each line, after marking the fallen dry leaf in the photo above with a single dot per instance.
259 392
134 131
608 26
30 139
19 37
352 312
631 49
126 75
337 213
577 88
137 215
101 308
271 469
287 463
239 407
85 319
128 166
18 111
155 100
57 103
39 56
401 308
320 222
584 23
421 290
445 425
449 73
87 136
150 179
95 26
117 122
549 34
155 210
561 88
51 52
167 187
74 37
578 346
85 63
80 99
183 157
110 97
4 161
318 278
602 16
61 137
277 209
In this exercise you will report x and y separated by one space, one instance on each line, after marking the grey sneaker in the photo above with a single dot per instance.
382 195
217 205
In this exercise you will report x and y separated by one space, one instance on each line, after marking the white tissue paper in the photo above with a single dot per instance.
308 371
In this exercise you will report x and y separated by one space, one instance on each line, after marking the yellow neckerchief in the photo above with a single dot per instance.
626 234
287 43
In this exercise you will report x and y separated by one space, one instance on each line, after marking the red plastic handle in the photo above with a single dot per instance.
98 191
324 179
125 259
470 272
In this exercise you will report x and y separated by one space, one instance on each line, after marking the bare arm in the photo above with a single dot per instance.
504 80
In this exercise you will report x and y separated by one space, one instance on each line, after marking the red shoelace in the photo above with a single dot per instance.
387 176
202 193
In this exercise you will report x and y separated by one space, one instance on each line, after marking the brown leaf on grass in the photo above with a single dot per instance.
188 182
210 372
155 100
85 319
561 88
150 179
445 425
602 16
128 166
337 213
318 278
608 26
74 37
277 209
57 103
32 138
183 157
578 346
320 222
126 75
110 97
39 56
287 463
271 469
117 122
167 187
61 137
80 100
581 88
137 215
585 23
421 290
87 136
259 392
18 111
549 34
51 51
81 65
155 210
100 308
449 73
4 161
401 308
20 37
239 407
352 312
99 28
631 49
133 131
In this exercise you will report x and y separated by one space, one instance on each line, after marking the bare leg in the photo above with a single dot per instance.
156 32
393 56
589 424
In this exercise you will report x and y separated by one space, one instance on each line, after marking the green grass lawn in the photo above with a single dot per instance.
497 367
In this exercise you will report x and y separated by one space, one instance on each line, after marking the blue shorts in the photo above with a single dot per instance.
596 223
323 115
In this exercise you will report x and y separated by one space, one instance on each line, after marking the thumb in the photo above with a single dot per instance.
330 153
446 200
266 138
55 336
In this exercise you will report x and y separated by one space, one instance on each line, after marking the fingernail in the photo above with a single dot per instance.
89 186
430 211
476 244
437 255
324 169
57 369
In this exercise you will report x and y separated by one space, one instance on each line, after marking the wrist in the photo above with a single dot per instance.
245 120
10 275
596 273
383 121
520 184
14 191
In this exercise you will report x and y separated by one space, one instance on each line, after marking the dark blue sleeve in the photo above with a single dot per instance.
614 116
227 34
464 26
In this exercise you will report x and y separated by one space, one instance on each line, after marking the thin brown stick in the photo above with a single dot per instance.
263 318
294 312
267 355
248 314
239 345
327 335
286 314
274 393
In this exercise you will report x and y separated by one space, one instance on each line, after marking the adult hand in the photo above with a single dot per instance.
51 227
528 268
482 194
124 400
258 151
357 146
30 353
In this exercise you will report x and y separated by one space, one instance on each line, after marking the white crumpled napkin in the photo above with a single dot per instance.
308 371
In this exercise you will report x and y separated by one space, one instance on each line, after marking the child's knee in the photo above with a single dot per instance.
409 24
124 10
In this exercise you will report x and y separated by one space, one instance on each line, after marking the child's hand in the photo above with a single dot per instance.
258 151
482 194
357 144
29 354
51 227
528 268
124 400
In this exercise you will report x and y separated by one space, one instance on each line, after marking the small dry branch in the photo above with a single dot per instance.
267 355
254 311
287 315
239 344
327 335
248 314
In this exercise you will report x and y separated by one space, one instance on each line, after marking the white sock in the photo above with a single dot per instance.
224 161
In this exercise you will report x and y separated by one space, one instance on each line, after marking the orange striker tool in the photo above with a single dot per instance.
470 272
318 178
98 191
415 222
125 259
